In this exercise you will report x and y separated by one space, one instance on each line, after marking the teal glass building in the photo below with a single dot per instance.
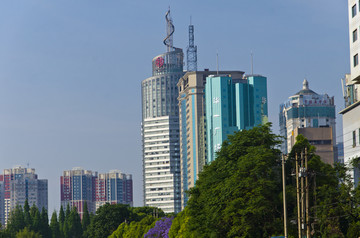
233 104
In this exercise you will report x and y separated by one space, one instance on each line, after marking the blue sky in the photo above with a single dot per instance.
70 71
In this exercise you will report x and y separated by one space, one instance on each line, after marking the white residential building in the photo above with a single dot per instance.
21 184
351 113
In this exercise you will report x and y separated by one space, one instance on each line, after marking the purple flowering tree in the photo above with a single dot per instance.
161 228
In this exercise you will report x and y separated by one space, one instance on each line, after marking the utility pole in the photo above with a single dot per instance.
307 196
302 193
284 196
298 193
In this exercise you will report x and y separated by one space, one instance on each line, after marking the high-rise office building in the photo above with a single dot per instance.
160 128
20 184
113 188
351 113
192 126
233 104
307 109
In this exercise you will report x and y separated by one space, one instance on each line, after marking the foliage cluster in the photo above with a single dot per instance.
30 222
237 195
240 193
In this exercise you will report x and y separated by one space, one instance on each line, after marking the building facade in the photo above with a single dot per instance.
2 203
351 113
113 188
321 138
18 185
160 129
307 109
192 126
79 186
232 104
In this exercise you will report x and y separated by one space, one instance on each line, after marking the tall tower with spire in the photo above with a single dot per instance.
160 127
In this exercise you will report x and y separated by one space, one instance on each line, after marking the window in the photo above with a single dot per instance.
354 138
353 10
356 60
354 35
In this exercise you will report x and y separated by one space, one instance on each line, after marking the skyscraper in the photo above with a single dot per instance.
192 126
21 184
351 113
160 128
233 103
307 109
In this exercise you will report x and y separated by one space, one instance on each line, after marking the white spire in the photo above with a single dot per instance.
305 85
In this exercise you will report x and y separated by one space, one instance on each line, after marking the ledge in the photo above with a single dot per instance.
350 107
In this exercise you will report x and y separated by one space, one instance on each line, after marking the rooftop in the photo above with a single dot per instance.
305 90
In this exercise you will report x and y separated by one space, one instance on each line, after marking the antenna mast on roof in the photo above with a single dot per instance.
191 50
252 63
217 63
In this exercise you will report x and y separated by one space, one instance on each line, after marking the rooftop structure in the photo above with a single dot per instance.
307 109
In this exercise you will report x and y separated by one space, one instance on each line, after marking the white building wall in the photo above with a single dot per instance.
354 36
162 163
351 128
2 203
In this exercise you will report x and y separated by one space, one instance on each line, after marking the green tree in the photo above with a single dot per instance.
55 226
44 223
61 221
237 194
136 229
329 192
16 221
107 219
68 211
74 224
36 219
180 225
138 213
66 227
27 216
26 233
85 222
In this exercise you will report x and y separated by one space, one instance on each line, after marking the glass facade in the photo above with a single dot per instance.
232 105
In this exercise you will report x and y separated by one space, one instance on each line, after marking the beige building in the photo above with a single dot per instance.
191 101
321 138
